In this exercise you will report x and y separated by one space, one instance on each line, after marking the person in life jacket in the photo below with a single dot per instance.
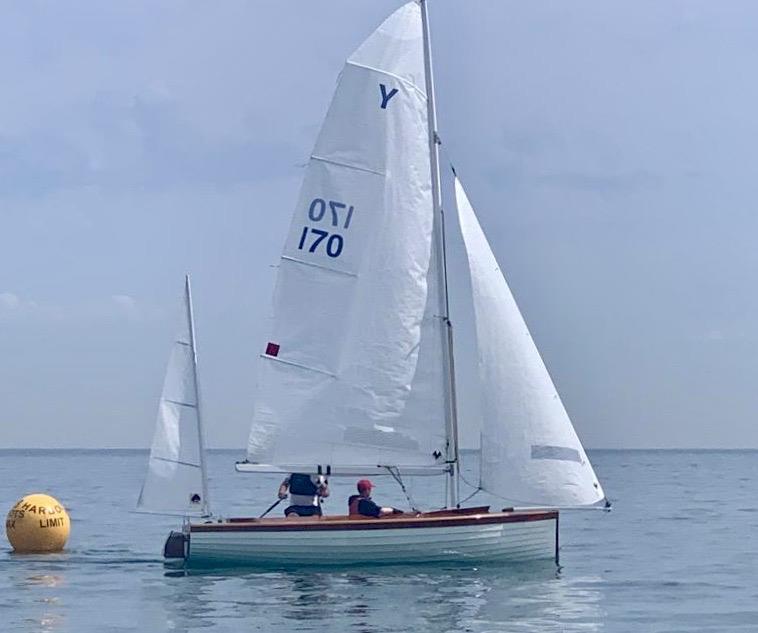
362 504
305 492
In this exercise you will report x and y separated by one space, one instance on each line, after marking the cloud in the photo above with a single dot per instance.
38 163
9 301
116 306
146 141
11 305
126 304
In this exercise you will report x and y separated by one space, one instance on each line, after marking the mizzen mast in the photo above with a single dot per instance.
448 374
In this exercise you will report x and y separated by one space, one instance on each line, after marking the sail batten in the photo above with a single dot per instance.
331 269
530 453
347 165
388 74
298 365
175 461
192 405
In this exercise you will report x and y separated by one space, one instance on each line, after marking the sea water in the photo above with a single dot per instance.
678 552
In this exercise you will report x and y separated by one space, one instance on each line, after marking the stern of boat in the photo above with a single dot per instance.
176 545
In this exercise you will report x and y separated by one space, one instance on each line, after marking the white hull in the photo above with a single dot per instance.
465 540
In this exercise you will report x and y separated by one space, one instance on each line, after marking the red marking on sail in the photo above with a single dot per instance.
272 349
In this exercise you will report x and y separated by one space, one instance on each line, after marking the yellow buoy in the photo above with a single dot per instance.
37 523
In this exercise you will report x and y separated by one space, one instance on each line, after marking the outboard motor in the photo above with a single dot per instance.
176 545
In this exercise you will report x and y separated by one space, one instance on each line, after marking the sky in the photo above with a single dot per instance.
608 149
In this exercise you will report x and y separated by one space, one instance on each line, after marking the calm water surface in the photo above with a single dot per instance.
679 552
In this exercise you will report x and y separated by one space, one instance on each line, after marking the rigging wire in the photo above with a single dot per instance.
477 489
447 156
395 472
471 496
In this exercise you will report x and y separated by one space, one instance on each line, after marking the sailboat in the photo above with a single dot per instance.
357 377
176 481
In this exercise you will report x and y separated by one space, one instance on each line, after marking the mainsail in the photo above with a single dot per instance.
530 453
350 374
176 479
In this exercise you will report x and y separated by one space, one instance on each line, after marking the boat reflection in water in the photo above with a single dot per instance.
524 597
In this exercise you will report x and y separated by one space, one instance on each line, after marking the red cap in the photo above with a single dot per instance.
364 484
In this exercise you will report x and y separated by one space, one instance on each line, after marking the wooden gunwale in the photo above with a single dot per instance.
430 513
339 523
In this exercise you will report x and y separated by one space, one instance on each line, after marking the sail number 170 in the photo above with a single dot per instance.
339 214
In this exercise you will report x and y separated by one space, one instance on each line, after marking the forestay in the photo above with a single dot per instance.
176 482
530 453
351 373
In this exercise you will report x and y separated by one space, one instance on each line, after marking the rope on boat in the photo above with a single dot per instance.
478 487
478 490
392 470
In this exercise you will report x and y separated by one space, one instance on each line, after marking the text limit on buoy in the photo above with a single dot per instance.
37 523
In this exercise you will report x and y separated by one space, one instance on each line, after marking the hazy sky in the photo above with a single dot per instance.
607 147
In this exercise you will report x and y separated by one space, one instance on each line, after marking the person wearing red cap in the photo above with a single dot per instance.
362 504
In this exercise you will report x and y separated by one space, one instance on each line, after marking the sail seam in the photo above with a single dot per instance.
181 404
176 461
347 165
388 74
300 365
314 265
394 448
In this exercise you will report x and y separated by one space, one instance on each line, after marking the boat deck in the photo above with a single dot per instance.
440 518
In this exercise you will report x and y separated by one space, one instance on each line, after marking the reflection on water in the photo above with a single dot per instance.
37 602
46 580
437 598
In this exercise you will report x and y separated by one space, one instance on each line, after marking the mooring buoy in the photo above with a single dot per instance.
37 523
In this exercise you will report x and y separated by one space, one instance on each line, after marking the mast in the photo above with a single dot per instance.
201 435
451 414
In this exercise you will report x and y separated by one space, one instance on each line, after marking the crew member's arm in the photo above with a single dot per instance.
368 508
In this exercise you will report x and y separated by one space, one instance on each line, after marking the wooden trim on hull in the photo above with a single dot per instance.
393 522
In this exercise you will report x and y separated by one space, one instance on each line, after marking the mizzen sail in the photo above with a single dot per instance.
530 453
176 479
350 371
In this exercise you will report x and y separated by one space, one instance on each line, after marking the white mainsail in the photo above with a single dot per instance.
530 453
176 479
351 373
